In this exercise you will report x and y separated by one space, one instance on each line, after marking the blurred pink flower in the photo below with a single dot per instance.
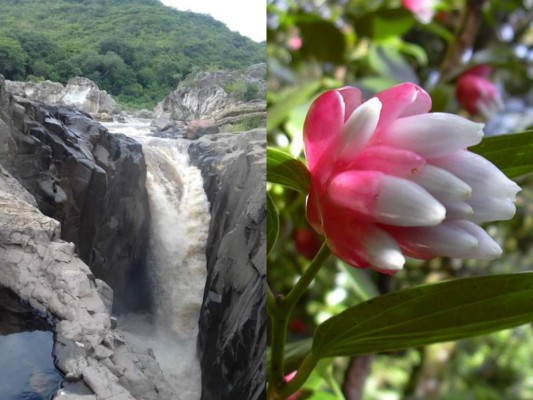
424 10
295 43
476 94
389 179
307 242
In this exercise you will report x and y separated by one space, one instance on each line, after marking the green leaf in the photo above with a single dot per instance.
512 153
315 32
285 170
272 224
281 110
391 23
428 314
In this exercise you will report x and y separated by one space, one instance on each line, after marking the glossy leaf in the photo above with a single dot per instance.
428 314
391 23
314 32
272 224
512 153
285 170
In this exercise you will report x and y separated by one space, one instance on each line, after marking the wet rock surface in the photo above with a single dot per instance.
90 181
232 339
44 271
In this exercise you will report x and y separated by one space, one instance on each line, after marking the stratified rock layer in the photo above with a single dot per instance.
227 98
232 339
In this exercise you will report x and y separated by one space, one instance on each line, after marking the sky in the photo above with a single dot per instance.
248 17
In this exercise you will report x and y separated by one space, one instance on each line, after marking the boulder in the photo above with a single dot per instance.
143 114
84 94
203 94
232 338
200 127
79 92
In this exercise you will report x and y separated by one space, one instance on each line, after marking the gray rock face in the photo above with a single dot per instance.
80 92
90 181
232 339
209 95
44 271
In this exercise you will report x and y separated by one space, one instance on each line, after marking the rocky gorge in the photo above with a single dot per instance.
74 231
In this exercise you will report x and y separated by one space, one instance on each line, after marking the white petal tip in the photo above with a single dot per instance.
435 215
391 260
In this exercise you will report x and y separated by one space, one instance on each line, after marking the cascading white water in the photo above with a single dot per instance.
178 234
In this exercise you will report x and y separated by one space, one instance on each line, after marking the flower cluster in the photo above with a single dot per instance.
389 180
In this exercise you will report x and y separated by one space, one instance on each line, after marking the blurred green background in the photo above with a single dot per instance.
313 46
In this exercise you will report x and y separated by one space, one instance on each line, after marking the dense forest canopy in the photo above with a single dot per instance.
137 50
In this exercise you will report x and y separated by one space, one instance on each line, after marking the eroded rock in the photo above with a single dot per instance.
211 95
232 338
79 92
90 181
44 271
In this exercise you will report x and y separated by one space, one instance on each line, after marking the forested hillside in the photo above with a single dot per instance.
137 50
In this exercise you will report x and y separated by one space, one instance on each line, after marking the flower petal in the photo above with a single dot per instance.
352 99
458 210
358 130
383 251
487 249
313 211
391 161
323 127
447 239
488 209
433 135
402 100
442 184
478 173
386 199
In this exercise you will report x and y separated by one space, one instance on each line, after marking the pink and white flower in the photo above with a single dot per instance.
423 10
389 180
476 94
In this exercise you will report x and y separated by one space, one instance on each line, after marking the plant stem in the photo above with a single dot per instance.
309 274
271 301
301 376
280 309
464 37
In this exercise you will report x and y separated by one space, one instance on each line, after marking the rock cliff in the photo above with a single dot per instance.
232 339
44 271
79 92
90 181
227 97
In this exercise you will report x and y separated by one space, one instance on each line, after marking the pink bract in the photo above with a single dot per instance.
389 180
476 94
423 10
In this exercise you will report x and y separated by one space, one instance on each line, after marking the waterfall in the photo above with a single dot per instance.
176 258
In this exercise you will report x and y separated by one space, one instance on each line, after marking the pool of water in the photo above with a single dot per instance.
27 369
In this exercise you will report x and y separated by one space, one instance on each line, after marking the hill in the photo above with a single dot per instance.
137 50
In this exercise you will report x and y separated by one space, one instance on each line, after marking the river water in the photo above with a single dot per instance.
26 341
178 234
